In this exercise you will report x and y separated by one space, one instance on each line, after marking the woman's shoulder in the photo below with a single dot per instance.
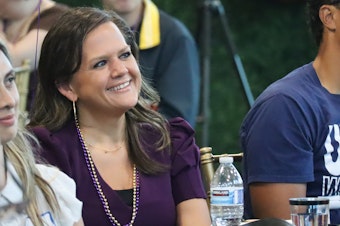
64 189
180 129
44 133
182 137
53 175
57 147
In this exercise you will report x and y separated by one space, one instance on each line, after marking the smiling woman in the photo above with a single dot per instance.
108 78
92 97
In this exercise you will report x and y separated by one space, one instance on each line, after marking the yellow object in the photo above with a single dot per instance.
150 33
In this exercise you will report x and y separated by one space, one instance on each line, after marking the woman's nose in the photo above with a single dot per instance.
7 98
118 68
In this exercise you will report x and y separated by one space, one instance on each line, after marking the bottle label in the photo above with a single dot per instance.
226 196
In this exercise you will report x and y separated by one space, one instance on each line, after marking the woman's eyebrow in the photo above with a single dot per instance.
9 73
104 56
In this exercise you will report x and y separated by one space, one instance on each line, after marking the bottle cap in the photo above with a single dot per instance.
227 159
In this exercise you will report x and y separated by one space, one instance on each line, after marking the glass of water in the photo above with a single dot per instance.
309 211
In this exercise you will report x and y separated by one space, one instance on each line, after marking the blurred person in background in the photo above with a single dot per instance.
168 56
23 27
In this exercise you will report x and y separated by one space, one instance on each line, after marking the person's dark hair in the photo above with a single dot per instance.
313 19
60 58
4 49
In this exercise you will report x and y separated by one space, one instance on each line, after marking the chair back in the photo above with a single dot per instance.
22 81
208 161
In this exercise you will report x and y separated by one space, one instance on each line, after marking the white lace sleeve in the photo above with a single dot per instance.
65 191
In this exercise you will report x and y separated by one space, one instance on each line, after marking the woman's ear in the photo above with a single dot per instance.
327 14
67 91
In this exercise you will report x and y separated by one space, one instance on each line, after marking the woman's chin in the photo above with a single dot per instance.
131 104
9 134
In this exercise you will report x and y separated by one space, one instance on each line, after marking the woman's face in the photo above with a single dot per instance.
9 99
109 79
17 9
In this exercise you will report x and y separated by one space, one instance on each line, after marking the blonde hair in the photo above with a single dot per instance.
19 152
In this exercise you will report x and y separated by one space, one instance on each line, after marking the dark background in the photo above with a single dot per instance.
271 38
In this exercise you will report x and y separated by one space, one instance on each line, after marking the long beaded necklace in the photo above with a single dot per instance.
102 197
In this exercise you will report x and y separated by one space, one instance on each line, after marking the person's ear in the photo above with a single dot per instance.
67 91
327 14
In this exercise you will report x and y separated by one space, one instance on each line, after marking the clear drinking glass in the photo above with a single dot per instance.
309 211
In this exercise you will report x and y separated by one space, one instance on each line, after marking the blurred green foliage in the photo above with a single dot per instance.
271 38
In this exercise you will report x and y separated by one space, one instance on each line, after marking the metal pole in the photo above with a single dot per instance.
216 4
210 6
206 46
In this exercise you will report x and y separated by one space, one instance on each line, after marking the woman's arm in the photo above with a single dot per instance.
193 212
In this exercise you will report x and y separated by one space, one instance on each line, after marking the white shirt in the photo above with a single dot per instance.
64 188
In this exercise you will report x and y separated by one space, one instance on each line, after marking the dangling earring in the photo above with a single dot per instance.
75 111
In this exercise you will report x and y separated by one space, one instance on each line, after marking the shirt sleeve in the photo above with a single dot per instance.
185 172
65 190
275 135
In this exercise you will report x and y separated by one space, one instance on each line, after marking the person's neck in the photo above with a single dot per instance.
12 29
327 67
133 18
99 128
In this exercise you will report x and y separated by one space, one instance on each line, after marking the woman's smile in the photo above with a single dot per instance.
120 87
7 120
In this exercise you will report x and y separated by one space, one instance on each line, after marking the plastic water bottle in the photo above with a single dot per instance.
226 191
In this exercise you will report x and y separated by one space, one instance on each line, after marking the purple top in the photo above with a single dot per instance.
159 195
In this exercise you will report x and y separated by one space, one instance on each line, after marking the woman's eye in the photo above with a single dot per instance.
9 80
100 64
126 55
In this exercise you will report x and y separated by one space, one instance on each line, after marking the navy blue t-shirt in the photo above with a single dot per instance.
292 135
